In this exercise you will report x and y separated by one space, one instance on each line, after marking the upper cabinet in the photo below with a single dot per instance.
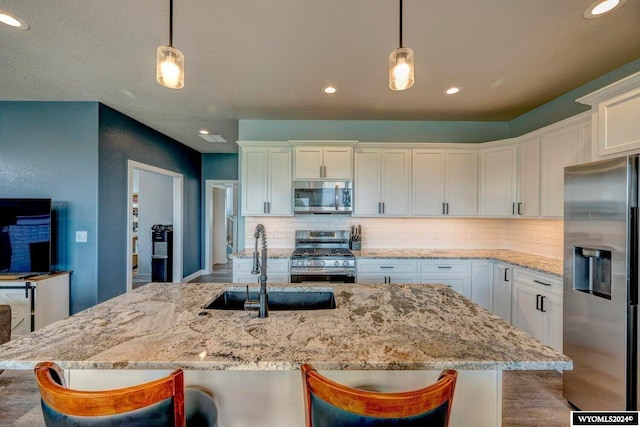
444 182
381 182
528 198
615 111
498 180
330 162
266 185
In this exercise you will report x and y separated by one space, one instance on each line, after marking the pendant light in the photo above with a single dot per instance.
170 62
401 65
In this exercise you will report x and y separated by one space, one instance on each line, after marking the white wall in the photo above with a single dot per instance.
155 206
537 236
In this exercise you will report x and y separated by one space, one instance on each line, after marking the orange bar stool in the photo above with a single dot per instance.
163 402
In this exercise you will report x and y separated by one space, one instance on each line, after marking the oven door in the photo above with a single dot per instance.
299 275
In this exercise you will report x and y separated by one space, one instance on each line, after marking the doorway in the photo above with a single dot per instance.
159 193
221 223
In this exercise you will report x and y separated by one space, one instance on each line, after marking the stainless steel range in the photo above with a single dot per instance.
322 256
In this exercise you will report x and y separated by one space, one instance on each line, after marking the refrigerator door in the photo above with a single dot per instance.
598 199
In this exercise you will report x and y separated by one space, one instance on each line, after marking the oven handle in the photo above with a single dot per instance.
322 271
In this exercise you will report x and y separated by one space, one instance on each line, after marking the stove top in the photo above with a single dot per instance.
322 252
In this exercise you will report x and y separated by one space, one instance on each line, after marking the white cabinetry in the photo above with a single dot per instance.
381 184
559 149
537 306
266 185
36 302
502 274
528 198
444 182
615 111
482 283
498 180
323 163
277 271
387 271
454 273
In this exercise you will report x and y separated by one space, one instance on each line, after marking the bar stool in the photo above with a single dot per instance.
163 402
330 404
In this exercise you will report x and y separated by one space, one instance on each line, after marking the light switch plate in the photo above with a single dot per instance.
81 236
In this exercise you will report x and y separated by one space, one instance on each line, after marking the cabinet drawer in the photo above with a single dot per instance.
445 266
390 278
541 281
386 266
273 266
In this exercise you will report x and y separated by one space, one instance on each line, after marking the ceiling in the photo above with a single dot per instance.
269 59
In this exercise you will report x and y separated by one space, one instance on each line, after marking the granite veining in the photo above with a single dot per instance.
378 327
520 259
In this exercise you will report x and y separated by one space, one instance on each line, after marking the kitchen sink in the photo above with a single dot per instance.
280 299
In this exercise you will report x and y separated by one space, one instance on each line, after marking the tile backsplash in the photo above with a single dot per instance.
542 237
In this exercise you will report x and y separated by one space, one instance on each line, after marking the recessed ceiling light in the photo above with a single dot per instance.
13 21
330 89
602 7
452 90
203 132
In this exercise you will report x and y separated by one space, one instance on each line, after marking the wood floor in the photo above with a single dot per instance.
530 399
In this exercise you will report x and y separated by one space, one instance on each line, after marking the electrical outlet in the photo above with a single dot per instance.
81 236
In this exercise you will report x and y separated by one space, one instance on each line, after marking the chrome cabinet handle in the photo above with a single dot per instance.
541 283
337 199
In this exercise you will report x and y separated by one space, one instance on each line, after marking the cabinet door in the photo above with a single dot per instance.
482 283
427 182
337 163
551 309
461 183
498 180
366 186
525 314
559 149
254 181
502 274
396 166
529 177
308 163
20 310
280 190
458 282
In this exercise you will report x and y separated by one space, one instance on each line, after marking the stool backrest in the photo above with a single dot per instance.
156 403
331 404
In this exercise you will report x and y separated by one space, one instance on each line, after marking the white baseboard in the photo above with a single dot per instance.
193 276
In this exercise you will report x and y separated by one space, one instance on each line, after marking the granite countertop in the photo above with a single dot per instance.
520 259
379 327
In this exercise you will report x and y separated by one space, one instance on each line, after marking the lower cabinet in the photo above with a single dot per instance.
502 274
537 306
454 273
387 271
277 271
482 283
36 302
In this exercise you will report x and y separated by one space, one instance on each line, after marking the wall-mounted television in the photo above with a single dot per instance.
25 236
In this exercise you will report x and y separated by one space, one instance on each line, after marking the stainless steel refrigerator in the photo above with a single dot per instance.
601 284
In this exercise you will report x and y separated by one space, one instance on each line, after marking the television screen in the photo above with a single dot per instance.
25 235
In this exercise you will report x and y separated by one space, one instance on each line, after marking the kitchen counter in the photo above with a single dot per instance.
520 259
392 337
374 327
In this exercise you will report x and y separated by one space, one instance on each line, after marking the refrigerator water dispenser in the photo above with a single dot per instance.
592 271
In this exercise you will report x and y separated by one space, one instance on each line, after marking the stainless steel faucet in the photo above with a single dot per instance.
260 267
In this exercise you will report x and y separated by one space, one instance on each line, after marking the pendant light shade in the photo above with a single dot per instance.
401 65
170 61
170 67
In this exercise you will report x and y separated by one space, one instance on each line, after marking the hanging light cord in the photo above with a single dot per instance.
171 23
400 23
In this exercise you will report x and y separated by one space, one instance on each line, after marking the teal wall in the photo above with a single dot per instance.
50 150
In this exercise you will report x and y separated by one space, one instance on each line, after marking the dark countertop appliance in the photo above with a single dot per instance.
322 256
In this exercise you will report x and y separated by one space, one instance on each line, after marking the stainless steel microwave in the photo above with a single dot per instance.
322 197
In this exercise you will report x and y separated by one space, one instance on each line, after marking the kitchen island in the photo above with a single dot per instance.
388 336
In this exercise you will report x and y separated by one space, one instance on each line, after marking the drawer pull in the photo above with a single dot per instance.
444 266
541 283
386 266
